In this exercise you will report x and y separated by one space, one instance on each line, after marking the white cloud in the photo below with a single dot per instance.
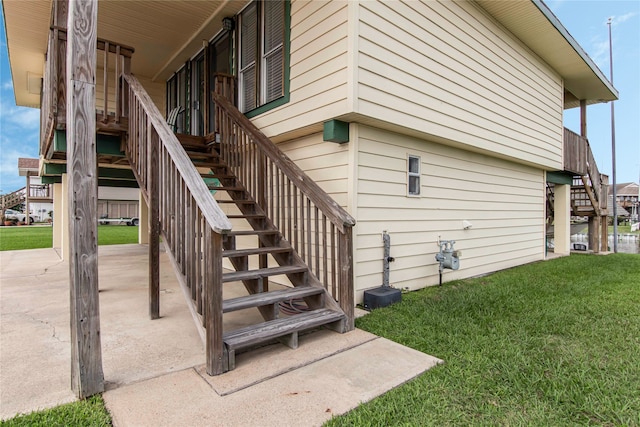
10 180
8 85
620 19
23 117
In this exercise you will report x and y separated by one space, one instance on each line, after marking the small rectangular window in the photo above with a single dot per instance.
413 175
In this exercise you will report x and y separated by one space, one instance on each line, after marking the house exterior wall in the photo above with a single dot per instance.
318 68
450 71
503 200
445 70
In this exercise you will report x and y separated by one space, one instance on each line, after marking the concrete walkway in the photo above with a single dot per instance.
154 370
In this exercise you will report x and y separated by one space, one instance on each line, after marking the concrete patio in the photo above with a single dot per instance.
154 370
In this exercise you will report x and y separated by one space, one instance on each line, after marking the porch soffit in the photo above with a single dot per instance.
538 28
164 34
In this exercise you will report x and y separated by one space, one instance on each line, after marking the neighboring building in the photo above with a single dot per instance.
40 196
627 195
429 120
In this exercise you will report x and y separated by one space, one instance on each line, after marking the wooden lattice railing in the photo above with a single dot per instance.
578 159
113 59
190 220
317 227
12 199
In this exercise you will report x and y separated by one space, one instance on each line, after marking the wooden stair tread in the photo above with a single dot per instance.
266 298
199 154
205 164
216 175
251 232
254 251
224 188
262 272
262 332
243 202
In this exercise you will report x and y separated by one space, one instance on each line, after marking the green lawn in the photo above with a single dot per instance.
623 229
33 237
552 343
90 412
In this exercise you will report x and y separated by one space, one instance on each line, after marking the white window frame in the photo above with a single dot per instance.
413 174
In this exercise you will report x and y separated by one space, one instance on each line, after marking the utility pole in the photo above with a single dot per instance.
613 151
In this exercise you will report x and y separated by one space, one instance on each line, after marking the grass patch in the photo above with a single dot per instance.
18 238
550 343
22 237
89 412
623 229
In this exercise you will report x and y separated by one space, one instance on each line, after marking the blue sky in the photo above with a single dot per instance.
585 20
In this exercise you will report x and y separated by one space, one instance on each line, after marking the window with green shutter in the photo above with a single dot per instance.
263 69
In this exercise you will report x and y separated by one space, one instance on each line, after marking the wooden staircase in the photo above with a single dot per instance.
12 200
286 230
275 259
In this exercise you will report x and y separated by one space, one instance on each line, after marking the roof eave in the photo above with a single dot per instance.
575 45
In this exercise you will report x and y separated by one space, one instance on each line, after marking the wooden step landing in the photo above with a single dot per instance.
267 298
262 272
279 328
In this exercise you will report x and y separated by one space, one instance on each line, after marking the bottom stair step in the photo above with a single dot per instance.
267 298
252 336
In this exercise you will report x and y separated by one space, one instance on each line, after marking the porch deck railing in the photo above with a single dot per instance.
579 160
317 227
113 58
190 220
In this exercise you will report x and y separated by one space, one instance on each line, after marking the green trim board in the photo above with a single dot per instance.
287 61
121 174
51 179
560 177
102 182
105 144
335 131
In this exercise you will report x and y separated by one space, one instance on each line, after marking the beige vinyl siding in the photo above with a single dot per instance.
448 70
503 200
326 163
318 68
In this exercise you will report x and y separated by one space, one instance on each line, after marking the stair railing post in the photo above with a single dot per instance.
213 303
153 198
345 279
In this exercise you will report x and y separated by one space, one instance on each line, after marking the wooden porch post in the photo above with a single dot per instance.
583 118
86 354
345 283
216 362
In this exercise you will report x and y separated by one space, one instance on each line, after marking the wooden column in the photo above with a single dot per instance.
86 354
26 200
583 118
604 238
594 234
562 215
57 216
64 218
143 220
153 184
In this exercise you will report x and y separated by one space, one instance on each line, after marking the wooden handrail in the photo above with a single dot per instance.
182 209
334 212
